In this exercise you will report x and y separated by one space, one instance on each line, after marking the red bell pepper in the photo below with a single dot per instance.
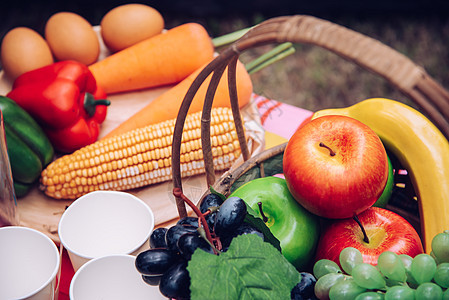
65 100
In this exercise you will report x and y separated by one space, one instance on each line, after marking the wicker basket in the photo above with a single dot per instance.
369 53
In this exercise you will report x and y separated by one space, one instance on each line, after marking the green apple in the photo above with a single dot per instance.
296 228
388 190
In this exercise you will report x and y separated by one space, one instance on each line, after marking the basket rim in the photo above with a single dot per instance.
225 182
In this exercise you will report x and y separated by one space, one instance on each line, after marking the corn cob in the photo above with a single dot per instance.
140 157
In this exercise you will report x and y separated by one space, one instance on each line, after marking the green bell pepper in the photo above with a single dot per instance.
29 149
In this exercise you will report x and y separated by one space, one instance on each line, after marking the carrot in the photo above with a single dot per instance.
166 58
166 106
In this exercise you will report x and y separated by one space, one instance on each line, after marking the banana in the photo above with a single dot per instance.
421 149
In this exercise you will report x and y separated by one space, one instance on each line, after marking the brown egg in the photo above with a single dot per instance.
23 50
71 37
129 24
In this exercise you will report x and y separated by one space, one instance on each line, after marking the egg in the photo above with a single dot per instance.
129 24
23 50
71 37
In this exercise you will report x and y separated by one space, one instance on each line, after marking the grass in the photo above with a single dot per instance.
315 78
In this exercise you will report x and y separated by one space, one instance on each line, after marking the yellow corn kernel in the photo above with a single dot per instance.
140 157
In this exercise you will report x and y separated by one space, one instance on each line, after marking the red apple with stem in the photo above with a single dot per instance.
335 166
384 229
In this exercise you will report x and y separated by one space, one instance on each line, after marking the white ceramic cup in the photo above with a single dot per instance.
29 263
104 223
111 277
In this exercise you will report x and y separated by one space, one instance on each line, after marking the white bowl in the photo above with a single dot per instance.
105 223
29 262
111 277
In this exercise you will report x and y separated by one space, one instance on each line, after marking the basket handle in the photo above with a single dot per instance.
216 69
369 53
364 51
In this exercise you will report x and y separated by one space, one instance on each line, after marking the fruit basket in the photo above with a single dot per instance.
237 265
366 52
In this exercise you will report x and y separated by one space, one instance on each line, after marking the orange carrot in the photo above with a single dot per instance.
166 58
166 106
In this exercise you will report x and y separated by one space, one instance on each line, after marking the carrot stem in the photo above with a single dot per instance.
273 60
279 52
229 38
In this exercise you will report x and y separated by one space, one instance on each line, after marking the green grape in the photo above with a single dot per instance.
407 261
345 289
428 290
434 257
423 268
370 296
446 295
368 276
441 276
440 246
324 284
399 292
350 257
391 266
325 266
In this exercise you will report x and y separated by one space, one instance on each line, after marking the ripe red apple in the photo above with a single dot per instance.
335 166
386 231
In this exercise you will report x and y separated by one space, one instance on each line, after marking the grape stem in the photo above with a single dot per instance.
202 233
365 236
177 192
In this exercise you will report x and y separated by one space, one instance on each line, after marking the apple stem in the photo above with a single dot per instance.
264 217
365 236
331 152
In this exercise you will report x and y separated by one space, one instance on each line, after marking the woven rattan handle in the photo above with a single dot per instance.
366 52
369 53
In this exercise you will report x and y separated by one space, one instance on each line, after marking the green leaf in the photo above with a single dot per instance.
253 219
213 191
250 269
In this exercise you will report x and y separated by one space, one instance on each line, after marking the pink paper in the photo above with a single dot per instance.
280 118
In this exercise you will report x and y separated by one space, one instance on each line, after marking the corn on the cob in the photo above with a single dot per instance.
140 157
